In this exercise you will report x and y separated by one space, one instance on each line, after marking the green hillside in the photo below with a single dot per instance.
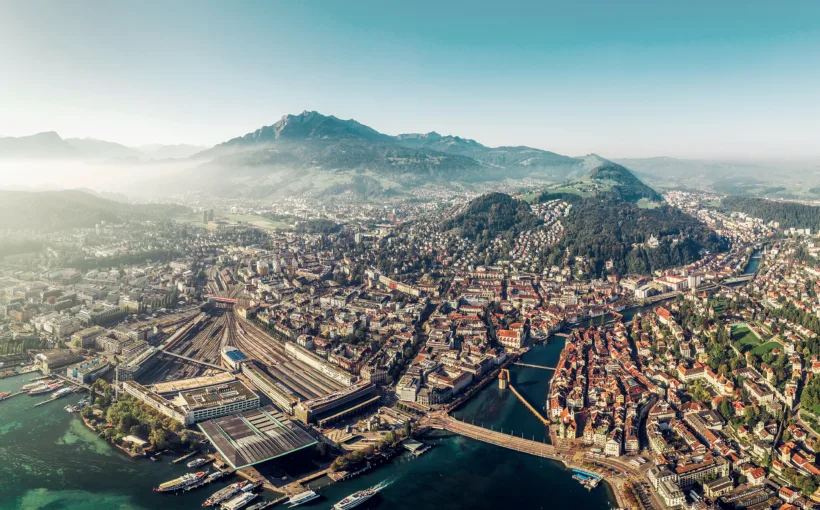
491 215
607 228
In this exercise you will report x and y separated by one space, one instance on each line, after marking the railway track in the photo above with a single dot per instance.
204 345
302 379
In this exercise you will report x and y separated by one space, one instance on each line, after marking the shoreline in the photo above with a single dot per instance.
614 483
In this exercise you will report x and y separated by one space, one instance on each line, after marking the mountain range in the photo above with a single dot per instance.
50 145
322 155
311 139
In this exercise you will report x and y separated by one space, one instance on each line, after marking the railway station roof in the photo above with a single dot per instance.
255 436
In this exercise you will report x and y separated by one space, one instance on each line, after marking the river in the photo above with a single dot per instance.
51 460
754 263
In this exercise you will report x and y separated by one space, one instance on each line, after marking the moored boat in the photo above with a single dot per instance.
261 505
45 389
240 501
181 482
62 392
224 493
196 463
31 386
301 498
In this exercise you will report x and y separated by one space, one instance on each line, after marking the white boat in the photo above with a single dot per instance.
62 392
301 498
239 501
183 481
354 500
224 493
196 463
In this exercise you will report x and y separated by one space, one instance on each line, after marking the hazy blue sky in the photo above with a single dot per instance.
717 78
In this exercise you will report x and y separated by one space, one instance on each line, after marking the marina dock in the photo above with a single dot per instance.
186 456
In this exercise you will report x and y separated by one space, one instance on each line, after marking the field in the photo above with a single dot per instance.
259 221
767 347
648 204
747 339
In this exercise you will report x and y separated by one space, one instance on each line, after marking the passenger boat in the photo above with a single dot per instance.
261 505
354 500
45 389
181 482
224 493
31 386
240 501
301 498
62 392
4 395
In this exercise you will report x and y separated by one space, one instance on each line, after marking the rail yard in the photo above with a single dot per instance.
202 337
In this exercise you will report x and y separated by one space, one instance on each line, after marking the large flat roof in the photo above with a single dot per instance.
215 396
255 436
193 383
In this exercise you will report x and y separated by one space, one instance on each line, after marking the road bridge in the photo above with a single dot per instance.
660 297
738 279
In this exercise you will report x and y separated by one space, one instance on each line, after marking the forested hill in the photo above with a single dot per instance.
788 214
598 229
491 215
625 184
602 229
57 210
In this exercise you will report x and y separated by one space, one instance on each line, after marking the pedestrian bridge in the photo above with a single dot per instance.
443 421
530 365
498 438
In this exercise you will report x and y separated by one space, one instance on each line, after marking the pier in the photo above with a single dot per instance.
44 402
186 456
72 382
